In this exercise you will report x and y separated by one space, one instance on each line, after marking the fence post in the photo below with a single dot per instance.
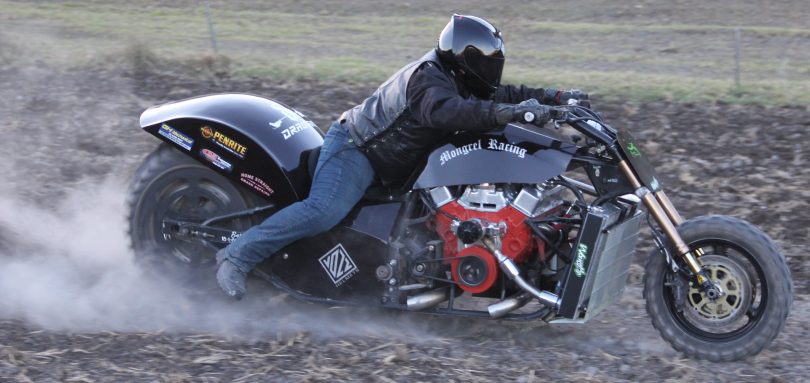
211 27
737 44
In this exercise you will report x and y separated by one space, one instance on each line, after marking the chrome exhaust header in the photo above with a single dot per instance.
508 305
513 272
429 299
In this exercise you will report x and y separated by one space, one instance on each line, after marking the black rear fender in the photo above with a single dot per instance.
259 143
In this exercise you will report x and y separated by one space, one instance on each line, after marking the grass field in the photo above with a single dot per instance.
680 51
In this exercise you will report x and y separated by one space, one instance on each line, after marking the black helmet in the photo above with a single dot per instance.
474 50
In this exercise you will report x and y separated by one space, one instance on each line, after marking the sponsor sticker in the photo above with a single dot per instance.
463 150
632 150
338 265
256 183
207 132
295 129
215 159
504 147
229 239
579 261
223 141
492 144
277 124
654 185
291 121
176 136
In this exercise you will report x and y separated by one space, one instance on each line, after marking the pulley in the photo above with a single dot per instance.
475 269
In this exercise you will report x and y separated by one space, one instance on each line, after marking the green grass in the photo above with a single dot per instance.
677 61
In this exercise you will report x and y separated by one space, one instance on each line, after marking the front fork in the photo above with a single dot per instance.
664 213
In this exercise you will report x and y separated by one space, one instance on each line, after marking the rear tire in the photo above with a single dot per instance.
754 276
169 184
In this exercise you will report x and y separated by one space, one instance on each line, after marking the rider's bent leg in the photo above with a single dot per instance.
341 178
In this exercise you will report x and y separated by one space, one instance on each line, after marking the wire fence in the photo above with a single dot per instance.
740 55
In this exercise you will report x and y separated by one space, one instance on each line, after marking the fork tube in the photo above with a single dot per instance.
673 215
630 175
662 218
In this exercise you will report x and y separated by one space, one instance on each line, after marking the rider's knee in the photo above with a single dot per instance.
325 217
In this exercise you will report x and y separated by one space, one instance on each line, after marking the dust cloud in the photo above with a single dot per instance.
70 268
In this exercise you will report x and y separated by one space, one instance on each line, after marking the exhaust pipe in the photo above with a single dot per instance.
428 299
508 305
511 270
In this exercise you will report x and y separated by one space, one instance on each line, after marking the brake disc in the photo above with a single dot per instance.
729 307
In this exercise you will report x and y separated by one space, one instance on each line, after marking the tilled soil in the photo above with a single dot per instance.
67 131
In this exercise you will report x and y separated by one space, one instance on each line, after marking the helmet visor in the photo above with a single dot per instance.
488 68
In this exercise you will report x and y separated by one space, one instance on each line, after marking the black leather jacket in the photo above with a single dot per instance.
417 109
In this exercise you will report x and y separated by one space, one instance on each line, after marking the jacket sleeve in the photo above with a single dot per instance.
434 101
516 94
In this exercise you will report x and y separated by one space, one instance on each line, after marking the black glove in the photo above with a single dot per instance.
561 97
530 111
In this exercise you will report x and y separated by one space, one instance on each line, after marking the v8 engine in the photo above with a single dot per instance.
489 209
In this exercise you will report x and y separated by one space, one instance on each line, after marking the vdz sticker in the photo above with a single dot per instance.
338 265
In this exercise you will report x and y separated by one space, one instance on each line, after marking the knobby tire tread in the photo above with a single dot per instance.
774 269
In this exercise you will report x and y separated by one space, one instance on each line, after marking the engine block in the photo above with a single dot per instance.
473 266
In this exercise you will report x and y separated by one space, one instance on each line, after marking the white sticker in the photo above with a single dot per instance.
338 265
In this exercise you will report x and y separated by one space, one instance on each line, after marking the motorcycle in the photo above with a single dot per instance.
526 223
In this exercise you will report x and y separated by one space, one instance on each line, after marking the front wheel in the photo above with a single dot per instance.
756 284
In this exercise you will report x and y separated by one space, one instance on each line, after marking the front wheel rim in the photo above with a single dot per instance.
740 271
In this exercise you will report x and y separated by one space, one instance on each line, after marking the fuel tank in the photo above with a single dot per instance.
257 142
517 154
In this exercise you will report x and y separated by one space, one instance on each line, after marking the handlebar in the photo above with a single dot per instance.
583 120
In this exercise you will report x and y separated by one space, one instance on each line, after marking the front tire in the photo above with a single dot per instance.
755 279
170 185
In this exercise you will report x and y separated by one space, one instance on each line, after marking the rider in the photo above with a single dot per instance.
454 87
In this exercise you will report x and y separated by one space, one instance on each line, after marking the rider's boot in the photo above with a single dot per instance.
230 278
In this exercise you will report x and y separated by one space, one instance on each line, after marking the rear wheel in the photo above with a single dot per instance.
170 185
756 285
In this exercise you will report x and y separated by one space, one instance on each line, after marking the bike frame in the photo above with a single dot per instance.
638 171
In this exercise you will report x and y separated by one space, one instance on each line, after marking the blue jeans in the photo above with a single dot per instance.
341 178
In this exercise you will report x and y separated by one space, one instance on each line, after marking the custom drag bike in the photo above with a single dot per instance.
527 223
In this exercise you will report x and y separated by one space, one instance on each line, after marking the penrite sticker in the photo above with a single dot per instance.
223 141
256 183
338 264
215 159
176 136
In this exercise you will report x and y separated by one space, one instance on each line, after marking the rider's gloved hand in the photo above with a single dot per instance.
530 111
561 97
